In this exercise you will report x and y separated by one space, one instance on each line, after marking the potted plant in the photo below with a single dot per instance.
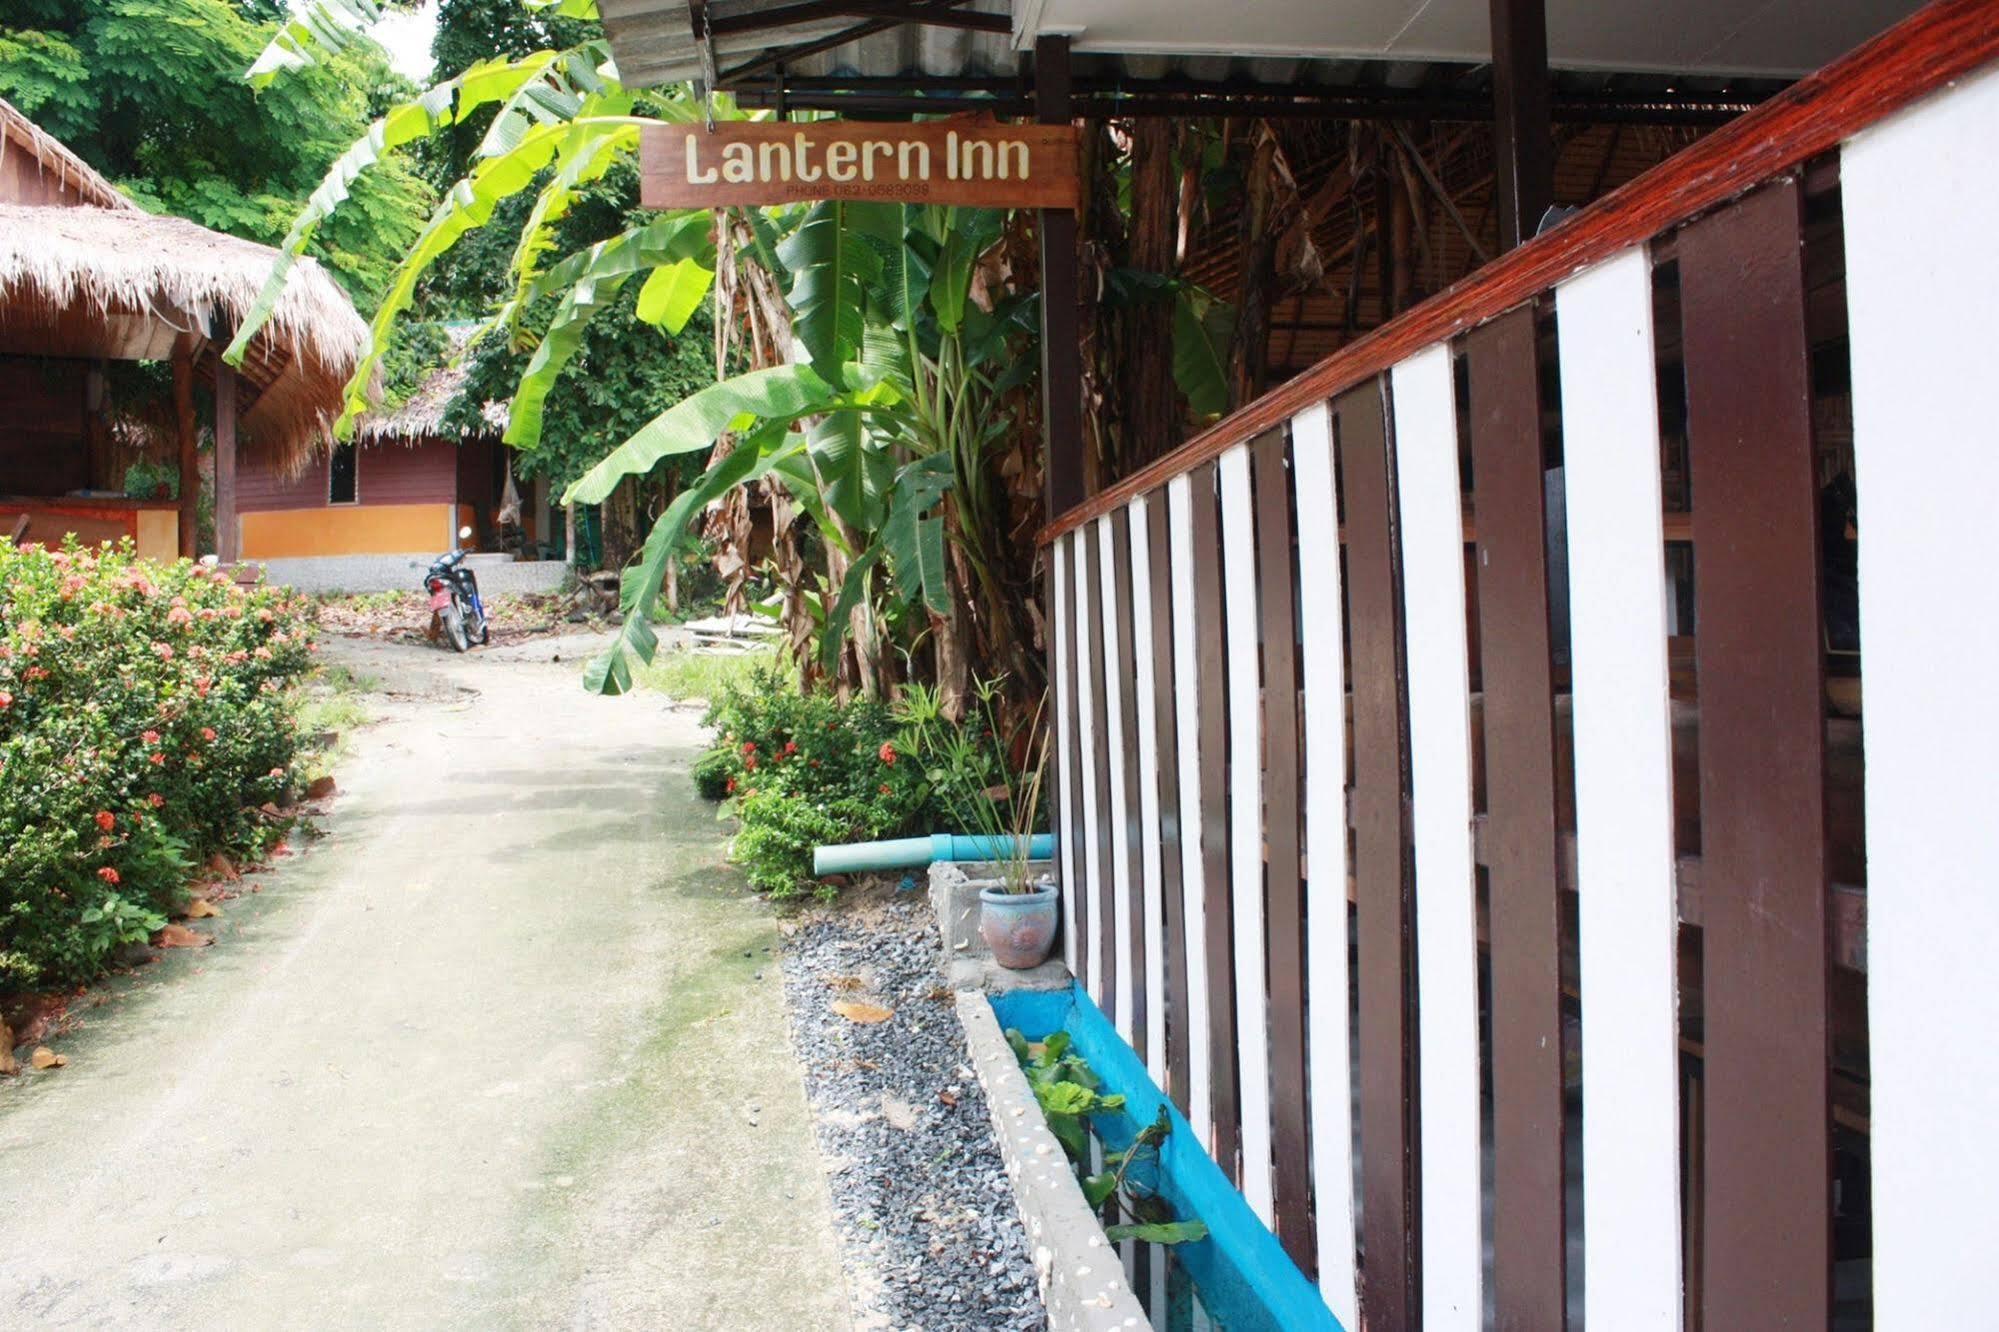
979 774
1017 910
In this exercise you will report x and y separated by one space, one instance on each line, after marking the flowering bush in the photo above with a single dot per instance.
144 717
802 770
806 770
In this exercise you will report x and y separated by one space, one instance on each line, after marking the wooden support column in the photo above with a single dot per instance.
1391 1275
190 470
1061 333
1759 654
227 542
1523 140
1528 1246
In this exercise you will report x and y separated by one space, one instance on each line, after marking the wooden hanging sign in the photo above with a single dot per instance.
972 162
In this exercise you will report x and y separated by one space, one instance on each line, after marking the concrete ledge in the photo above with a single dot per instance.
404 573
968 963
1081 1277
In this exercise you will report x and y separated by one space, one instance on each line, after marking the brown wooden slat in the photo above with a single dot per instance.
1165 724
1217 929
1382 872
1071 796
1907 62
1104 964
1762 759
1284 914
1135 925
1528 1252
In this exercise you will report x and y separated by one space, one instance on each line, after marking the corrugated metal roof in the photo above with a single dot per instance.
1275 43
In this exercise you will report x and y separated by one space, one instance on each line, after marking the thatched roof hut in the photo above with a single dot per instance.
421 414
86 277
124 284
37 168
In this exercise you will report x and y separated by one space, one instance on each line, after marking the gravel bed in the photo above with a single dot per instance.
928 1231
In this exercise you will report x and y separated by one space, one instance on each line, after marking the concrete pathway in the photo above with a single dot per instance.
505 1049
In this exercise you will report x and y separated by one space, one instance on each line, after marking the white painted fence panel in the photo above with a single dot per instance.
1087 672
1246 826
1115 684
1433 581
1180 501
1921 289
1624 797
1151 896
1066 832
1322 679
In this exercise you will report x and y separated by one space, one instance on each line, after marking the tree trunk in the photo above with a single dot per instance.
190 464
1152 413
619 519
1257 248
954 672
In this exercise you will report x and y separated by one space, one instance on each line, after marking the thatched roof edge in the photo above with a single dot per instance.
52 156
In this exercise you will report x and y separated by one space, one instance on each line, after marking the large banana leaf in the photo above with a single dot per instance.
831 269
755 454
781 393
577 165
330 25
968 232
589 281
673 292
466 207
436 107
905 270
913 537
854 471
853 592
1200 351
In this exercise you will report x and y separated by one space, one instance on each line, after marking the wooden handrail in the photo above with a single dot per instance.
1916 57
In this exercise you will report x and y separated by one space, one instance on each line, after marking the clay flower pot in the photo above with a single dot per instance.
1018 927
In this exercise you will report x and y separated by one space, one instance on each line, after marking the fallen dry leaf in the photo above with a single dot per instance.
43 1057
856 1010
948 1096
320 788
200 908
847 983
220 866
180 936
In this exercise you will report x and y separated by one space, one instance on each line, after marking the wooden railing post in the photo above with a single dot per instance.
1061 330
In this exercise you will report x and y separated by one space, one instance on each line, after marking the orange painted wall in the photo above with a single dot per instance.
155 531
363 529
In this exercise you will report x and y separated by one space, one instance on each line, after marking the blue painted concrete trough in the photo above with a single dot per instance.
1240 1274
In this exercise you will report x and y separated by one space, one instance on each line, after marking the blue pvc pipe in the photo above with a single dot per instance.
916 852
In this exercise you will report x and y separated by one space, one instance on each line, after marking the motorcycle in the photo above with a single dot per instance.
454 598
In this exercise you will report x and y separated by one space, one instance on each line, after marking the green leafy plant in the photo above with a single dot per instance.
1070 1096
146 717
969 763
114 922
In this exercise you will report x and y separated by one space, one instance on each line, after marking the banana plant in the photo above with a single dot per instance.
881 428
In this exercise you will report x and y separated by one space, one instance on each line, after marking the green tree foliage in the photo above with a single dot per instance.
151 92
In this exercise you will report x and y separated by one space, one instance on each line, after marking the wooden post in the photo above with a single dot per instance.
227 539
1061 334
190 469
96 438
1523 140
